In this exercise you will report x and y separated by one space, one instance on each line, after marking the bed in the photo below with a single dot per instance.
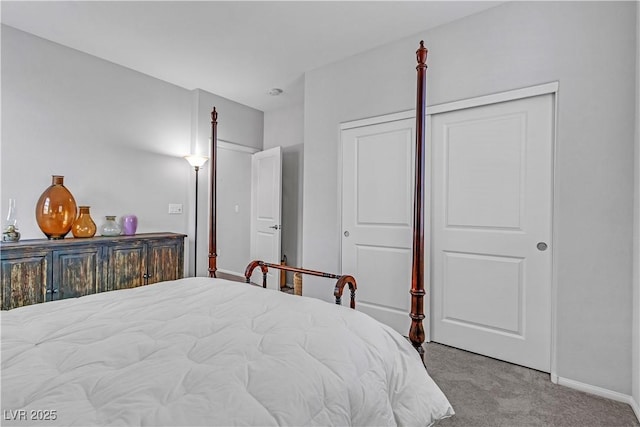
207 351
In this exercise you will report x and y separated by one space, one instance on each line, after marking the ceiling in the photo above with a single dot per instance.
235 49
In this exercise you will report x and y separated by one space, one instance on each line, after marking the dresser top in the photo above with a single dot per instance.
74 241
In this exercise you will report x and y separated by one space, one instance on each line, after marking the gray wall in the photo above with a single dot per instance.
234 228
590 49
237 124
115 134
636 235
118 137
285 128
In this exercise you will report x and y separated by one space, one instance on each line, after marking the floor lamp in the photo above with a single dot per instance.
197 162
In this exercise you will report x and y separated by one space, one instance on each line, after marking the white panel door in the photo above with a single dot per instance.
377 217
266 208
491 207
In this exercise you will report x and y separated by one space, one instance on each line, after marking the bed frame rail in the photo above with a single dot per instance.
342 281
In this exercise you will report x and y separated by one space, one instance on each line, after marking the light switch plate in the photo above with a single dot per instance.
175 208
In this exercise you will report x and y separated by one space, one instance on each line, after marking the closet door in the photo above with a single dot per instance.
491 231
377 217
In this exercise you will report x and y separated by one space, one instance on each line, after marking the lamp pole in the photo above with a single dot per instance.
196 162
195 229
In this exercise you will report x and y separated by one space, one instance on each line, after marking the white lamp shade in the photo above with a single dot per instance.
196 161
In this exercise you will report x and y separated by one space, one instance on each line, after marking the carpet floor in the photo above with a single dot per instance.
488 392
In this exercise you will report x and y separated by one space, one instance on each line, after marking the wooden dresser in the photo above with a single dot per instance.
35 271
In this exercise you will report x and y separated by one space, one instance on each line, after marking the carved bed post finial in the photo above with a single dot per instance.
416 332
421 55
212 197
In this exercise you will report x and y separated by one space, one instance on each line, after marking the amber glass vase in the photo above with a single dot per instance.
84 226
56 209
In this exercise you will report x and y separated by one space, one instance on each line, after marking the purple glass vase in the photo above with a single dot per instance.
129 225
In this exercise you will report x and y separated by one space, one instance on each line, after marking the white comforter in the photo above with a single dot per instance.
209 352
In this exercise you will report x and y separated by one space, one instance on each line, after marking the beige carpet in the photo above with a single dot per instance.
492 393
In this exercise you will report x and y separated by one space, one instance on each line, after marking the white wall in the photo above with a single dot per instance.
237 124
115 134
284 127
587 47
118 137
234 230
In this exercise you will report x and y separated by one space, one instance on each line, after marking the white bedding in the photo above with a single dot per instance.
205 351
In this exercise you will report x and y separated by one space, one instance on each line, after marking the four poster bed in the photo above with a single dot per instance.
207 351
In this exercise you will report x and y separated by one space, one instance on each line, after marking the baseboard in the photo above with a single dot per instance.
636 407
599 391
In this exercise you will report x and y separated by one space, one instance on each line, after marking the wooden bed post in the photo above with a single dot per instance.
212 197
416 332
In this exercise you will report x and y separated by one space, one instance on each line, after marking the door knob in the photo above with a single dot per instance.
346 234
542 246
275 227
